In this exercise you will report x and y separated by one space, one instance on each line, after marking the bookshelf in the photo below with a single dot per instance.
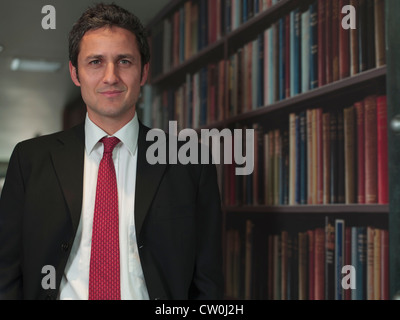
250 221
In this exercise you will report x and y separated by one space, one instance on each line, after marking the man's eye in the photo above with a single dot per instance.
94 62
125 62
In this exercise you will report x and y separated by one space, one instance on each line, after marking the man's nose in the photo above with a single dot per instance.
111 74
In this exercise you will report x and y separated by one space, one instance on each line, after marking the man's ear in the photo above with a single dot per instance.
145 74
74 75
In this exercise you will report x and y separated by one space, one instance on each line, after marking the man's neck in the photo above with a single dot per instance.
110 125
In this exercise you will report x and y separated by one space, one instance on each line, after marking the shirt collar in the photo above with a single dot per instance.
127 134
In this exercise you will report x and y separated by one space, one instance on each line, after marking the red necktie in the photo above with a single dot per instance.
104 278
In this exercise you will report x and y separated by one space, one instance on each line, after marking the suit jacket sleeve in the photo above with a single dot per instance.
11 208
208 279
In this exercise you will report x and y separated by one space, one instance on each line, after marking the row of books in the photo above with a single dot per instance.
198 101
331 262
317 157
197 24
303 50
281 62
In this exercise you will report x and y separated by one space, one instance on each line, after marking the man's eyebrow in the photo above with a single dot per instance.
119 57
94 56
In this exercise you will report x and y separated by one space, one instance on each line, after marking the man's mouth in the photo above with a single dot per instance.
111 93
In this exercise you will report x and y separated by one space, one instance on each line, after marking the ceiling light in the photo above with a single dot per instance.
34 65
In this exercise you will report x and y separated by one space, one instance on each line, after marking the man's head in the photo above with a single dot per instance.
107 15
109 61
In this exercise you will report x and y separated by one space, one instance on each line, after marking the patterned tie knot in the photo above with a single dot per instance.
109 144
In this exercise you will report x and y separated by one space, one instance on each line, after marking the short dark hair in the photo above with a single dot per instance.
107 15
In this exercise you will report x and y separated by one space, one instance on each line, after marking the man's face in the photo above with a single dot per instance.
109 74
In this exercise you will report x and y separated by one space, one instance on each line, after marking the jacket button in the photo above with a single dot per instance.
64 247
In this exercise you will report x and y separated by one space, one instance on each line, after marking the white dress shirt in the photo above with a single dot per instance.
75 281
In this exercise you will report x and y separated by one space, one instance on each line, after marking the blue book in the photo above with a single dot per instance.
228 16
244 11
305 50
281 57
260 72
181 34
359 261
203 19
313 45
203 96
339 257
271 63
295 56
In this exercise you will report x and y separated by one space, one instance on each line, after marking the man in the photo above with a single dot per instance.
110 224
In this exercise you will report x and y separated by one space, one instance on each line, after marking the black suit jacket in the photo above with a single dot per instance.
177 217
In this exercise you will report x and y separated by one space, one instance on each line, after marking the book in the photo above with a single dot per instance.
382 150
370 284
359 109
314 44
322 6
319 265
326 157
305 49
380 47
354 55
329 258
349 154
310 236
339 257
377 264
344 47
304 286
384 264
371 193
359 261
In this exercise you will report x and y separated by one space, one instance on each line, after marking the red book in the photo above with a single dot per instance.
335 40
311 264
359 107
319 274
371 194
321 42
344 46
382 145
347 257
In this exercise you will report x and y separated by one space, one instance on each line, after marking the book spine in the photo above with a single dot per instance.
326 157
319 264
314 45
380 50
349 154
344 47
305 50
354 56
339 257
382 149
329 258
321 42
370 149
359 108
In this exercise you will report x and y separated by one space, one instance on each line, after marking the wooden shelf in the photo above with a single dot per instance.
301 209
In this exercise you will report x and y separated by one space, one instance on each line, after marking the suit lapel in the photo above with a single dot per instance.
68 162
148 178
